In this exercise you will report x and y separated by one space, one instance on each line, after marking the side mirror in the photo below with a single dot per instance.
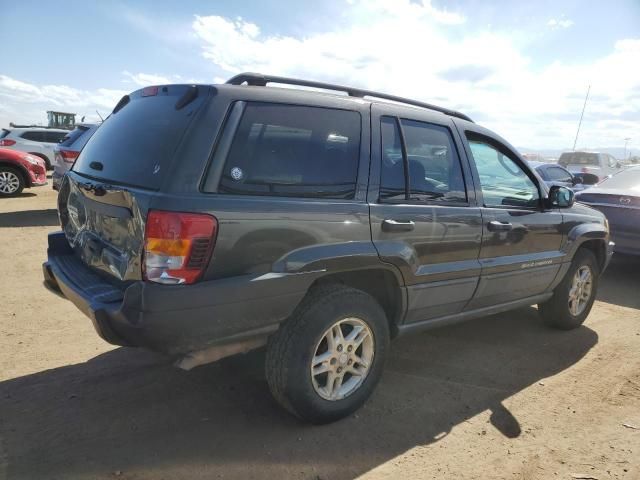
561 197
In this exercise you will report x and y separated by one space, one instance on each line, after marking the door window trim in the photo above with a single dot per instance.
405 161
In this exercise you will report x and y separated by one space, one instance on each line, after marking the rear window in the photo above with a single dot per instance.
4 132
73 135
293 151
578 158
135 145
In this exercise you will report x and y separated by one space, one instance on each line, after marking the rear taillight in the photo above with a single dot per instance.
177 246
7 142
69 156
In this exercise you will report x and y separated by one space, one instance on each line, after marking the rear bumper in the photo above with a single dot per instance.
173 319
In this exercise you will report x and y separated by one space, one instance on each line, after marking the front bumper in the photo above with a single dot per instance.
173 319
611 247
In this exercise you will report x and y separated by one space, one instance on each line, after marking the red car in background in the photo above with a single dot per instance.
19 170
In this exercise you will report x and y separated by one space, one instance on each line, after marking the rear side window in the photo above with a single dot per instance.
4 132
433 163
33 136
558 174
136 144
53 137
73 135
293 151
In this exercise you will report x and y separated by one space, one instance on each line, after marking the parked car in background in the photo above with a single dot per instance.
600 164
38 141
618 197
66 152
19 170
554 174
285 229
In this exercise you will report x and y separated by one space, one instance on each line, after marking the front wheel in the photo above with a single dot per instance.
574 296
325 361
11 182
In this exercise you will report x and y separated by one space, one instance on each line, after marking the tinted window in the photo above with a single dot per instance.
73 135
135 144
287 150
578 158
558 174
33 136
502 180
434 166
4 132
53 137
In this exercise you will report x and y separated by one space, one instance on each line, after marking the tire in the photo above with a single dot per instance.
11 182
564 313
305 336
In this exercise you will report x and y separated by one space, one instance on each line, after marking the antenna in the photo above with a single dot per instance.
102 119
581 115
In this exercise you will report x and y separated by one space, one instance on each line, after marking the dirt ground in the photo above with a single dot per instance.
502 397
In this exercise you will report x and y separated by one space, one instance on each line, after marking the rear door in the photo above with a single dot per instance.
423 216
520 254
104 200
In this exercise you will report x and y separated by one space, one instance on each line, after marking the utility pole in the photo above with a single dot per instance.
581 115
626 141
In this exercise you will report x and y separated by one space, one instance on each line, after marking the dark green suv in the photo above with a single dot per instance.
204 221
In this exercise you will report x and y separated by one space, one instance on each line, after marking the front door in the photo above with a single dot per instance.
521 240
423 217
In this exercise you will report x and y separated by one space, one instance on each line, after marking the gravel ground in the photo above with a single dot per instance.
501 397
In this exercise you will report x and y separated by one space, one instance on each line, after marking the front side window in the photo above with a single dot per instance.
558 174
434 171
293 151
502 180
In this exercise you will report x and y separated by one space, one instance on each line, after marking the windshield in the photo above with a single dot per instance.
626 180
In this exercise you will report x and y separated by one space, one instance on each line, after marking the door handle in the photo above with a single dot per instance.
496 226
390 225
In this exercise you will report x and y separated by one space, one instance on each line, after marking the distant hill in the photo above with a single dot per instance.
617 152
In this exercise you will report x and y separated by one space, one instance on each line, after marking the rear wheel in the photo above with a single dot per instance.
11 182
574 296
325 361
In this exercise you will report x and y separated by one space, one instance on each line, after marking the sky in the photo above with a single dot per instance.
519 68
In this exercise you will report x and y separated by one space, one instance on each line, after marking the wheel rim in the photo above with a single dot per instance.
342 359
9 182
580 292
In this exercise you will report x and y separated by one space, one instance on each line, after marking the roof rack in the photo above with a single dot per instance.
260 80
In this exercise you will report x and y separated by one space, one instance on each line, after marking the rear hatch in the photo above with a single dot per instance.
103 201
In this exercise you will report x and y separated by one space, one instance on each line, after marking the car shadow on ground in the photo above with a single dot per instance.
620 283
130 411
30 218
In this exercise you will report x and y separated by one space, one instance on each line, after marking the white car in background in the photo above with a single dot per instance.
38 141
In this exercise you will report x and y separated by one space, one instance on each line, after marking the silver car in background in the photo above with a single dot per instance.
66 152
618 198
600 164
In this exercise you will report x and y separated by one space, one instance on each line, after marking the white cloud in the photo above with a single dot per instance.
555 24
417 51
146 79
26 103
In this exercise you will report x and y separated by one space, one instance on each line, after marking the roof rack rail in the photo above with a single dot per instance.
260 80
